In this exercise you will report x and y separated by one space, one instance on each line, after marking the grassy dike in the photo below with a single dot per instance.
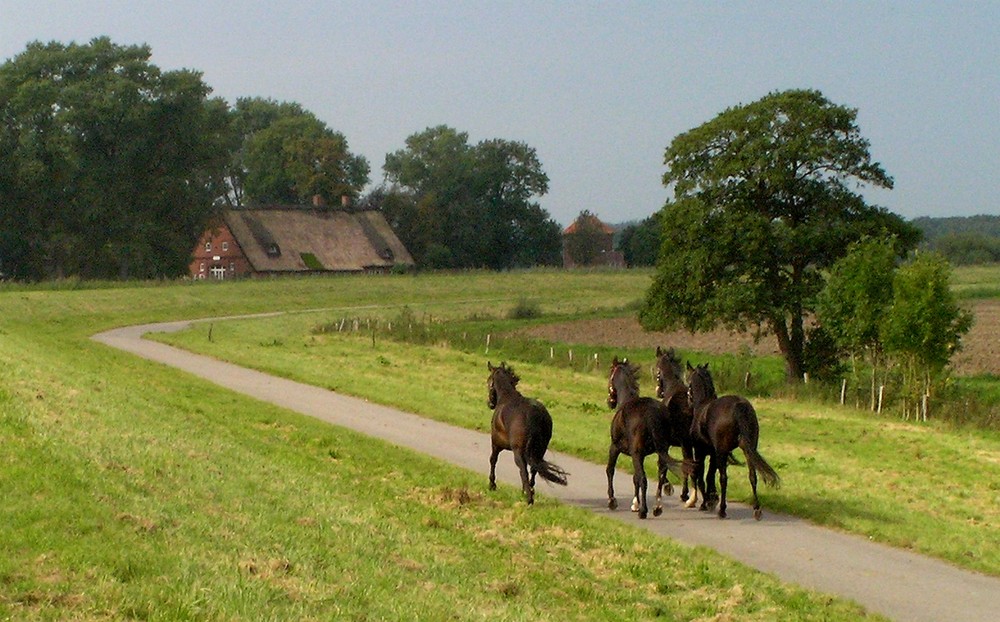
916 486
133 491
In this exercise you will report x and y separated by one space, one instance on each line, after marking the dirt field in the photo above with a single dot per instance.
980 350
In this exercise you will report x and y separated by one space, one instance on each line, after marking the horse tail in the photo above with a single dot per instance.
749 429
549 471
540 433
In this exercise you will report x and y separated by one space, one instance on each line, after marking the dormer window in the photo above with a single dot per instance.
273 250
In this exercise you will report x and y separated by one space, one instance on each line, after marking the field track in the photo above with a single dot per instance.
893 582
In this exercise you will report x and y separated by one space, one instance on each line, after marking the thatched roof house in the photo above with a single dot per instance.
292 240
588 241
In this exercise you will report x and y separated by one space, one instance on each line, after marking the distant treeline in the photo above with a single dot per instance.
964 240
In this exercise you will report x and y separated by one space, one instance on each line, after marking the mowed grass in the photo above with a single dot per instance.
133 491
917 486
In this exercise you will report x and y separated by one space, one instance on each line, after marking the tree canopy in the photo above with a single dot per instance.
640 242
462 205
762 205
110 166
283 154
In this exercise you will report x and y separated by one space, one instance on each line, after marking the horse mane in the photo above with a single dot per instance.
701 372
514 378
631 375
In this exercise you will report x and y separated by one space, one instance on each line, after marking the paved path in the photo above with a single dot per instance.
893 582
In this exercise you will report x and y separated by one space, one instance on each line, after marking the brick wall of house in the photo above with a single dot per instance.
218 256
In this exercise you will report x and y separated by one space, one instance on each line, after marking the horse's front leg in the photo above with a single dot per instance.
493 467
613 454
522 467
640 484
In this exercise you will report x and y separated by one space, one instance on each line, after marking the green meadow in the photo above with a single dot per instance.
134 491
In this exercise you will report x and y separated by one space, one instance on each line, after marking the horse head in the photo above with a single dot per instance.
623 382
700 386
501 379
669 373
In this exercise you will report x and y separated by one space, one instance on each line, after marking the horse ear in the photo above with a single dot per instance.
659 352
689 366
489 365
614 361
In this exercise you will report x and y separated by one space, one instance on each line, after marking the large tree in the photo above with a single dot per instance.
763 203
249 116
287 155
109 165
471 205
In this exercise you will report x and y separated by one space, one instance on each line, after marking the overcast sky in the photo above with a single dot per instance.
599 89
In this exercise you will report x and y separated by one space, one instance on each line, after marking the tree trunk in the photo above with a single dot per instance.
790 345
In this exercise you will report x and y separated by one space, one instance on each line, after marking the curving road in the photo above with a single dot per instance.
896 583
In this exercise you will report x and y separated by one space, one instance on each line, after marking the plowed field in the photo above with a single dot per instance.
980 348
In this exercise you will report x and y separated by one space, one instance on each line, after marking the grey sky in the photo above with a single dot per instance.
599 89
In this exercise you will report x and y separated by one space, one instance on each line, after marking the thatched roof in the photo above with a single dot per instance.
592 221
296 239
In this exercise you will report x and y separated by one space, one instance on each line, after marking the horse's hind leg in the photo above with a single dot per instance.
493 467
640 483
522 467
662 483
723 482
757 513
613 454
709 495
698 476
688 455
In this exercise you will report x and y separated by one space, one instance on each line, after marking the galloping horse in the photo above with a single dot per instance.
641 426
671 389
721 424
521 425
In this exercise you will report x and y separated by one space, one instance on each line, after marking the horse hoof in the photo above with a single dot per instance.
493 486
642 515
657 511
757 513
612 504
722 513
685 496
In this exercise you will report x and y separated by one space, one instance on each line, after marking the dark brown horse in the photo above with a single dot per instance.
521 425
721 424
641 426
671 389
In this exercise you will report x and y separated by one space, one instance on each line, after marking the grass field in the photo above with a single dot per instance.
843 468
133 491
